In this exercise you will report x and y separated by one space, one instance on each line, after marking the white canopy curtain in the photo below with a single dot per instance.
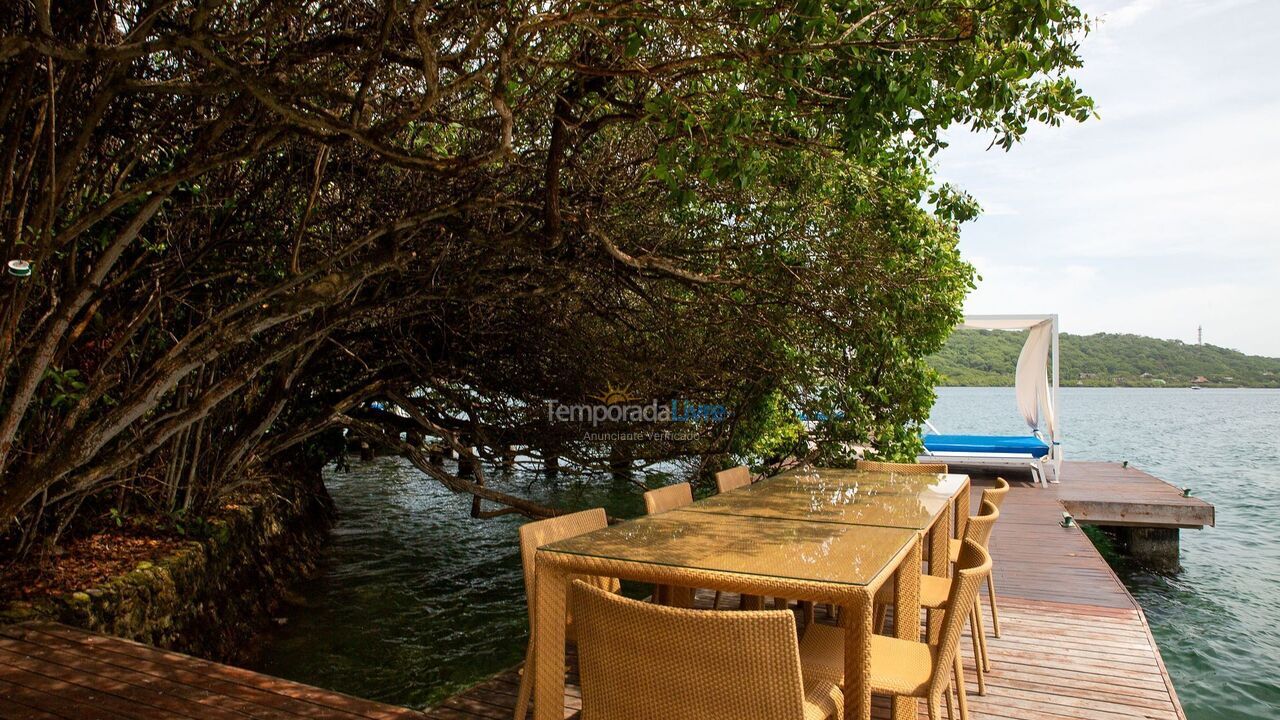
1037 398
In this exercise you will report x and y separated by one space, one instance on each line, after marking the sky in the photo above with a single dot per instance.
1161 215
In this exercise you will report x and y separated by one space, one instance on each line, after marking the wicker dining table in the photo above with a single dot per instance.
817 534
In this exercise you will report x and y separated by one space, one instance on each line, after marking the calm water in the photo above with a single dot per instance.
416 600
1217 622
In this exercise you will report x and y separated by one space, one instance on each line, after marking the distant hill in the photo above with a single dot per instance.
988 357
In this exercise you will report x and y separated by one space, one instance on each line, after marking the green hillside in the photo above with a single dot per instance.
988 357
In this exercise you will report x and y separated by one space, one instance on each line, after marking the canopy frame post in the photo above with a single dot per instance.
1055 446
1044 467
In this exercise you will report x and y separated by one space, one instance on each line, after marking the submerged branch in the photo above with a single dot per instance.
374 433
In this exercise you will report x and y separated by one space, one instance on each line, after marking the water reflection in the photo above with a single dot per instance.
770 547
843 496
415 599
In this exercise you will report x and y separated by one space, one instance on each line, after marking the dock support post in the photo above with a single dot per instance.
1155 547
466 468
620 462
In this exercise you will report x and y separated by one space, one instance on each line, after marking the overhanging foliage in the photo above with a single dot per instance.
248 220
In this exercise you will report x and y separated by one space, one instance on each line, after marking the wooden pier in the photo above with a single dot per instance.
1117 495
1074 643
54 672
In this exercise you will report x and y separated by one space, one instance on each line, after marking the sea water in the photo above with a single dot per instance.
415 600
1218 621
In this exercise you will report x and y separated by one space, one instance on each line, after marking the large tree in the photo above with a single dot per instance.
248 219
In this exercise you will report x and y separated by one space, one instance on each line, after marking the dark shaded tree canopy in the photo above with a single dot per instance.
255 223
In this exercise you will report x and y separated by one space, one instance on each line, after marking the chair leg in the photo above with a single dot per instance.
715 603
982 634
526 684
806 609
991 595
975 634
934 712
961 699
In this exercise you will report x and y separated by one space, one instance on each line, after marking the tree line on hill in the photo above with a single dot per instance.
988 358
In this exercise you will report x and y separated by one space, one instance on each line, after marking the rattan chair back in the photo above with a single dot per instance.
638 661
902 468
971 570
979 527
733 478
533 536
995 495
668 498
562 527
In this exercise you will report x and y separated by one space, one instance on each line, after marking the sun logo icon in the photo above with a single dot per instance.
615 395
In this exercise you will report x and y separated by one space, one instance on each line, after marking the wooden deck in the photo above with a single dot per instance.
1074 644
1102 493
54 672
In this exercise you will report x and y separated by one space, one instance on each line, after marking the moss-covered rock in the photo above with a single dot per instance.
209 597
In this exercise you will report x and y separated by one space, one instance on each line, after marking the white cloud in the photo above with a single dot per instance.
1160 215
1129 13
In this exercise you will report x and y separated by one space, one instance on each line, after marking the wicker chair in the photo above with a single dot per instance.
668 498
726 480
903 468
644 662
733 478
907 667
660 501
533 536
995 496
934 592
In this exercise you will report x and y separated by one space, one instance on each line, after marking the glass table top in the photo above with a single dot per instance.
939 484
842 496
825 552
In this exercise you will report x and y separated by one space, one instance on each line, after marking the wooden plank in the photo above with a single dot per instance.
1132 513
1038 559
59 671
248 700
50 704
1112 494
90 702
146 688
13 710
1078 678
1075 644
161 700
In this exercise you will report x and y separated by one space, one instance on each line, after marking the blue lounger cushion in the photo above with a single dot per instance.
1021 444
